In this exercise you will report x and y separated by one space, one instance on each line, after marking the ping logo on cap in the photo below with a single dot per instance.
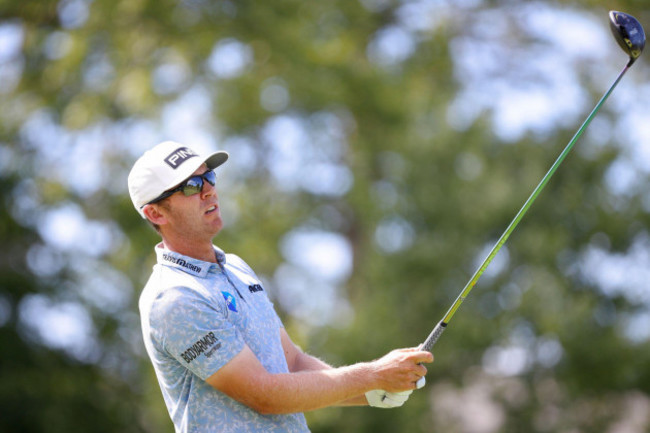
179 156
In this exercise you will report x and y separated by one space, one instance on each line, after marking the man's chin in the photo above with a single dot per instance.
217 225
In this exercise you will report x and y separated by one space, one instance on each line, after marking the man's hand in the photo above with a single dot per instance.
401 369
387 400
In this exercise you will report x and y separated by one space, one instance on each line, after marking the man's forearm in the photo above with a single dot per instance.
247 381
305 362
312 389
360 400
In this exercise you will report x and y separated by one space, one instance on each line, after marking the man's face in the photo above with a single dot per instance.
194 217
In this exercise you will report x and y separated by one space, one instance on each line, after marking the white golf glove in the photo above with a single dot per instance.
387 400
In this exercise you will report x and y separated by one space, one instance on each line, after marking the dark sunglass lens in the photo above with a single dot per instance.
193 185
211 177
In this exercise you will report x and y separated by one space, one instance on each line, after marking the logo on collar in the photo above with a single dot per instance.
189 266
230 301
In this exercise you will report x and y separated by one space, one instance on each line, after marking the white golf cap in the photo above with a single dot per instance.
163 167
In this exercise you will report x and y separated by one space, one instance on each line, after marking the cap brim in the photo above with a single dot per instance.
216 159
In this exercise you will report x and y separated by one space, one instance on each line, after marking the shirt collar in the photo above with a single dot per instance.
187 264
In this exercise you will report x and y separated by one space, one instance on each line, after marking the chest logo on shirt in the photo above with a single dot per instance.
230 301
255 288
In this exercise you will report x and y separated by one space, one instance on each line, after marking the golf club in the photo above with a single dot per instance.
630 36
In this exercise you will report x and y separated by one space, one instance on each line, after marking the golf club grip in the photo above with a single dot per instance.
433 337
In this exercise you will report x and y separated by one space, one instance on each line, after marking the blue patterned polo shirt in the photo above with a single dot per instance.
196 316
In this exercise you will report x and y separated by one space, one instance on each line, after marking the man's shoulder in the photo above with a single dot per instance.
168 286
234 261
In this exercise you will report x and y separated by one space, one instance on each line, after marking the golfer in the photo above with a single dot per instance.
222 357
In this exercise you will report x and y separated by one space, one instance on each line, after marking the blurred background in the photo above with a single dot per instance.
378 149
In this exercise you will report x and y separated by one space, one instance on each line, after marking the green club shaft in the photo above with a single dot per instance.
440 327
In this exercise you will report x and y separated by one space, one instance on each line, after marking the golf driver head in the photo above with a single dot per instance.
628 33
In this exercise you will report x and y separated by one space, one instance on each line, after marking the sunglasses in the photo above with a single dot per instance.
193 185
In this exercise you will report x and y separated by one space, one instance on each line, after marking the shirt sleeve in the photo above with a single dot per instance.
194 330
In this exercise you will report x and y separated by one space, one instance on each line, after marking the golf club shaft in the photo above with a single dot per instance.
440 327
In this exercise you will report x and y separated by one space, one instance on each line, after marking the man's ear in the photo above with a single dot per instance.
154 214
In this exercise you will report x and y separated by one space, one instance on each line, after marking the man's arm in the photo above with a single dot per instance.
244 379
298 360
